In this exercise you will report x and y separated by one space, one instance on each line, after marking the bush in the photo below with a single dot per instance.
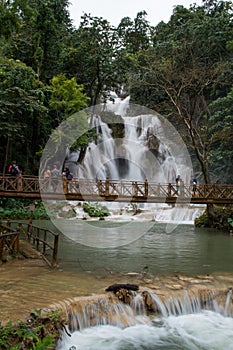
18 209
95 210
38 333
223 219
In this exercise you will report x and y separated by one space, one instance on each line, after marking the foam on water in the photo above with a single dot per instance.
206 330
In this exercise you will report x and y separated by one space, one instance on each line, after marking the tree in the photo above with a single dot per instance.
135 35
185 68
93 57
67 97
220 132
43 28
66 101
22 113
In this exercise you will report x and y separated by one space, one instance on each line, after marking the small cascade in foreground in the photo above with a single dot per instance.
145 319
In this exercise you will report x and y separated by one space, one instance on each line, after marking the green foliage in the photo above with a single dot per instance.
67 96
95 210
39 333
94 57
182 69
221 138
223 219
19 209
22 113
39 36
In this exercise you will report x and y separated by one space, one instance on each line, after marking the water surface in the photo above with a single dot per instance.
187 250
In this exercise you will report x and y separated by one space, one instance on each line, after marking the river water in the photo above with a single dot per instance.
187 250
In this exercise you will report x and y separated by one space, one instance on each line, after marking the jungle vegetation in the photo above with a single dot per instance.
182 69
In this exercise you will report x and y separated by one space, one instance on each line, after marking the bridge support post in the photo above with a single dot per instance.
65 186
107 187
146 188
182 188
169 188
55 251
135 188
19 180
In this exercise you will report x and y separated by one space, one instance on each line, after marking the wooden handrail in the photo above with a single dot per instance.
44 240
39 236
9 240
117 190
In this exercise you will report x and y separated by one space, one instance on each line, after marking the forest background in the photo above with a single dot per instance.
182 69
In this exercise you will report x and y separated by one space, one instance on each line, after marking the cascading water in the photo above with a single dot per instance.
189 322
144 150
143 147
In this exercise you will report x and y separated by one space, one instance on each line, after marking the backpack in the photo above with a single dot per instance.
69 176
13 170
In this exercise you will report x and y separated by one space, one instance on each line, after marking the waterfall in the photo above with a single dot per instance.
134 143
143 152
147 321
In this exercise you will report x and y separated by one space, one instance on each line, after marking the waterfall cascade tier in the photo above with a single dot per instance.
136 144
146 312
134 147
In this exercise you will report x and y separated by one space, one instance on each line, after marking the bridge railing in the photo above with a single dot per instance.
9 241
214 191
45 241
114 188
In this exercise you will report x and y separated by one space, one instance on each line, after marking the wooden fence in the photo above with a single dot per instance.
114 190
9 241
43 240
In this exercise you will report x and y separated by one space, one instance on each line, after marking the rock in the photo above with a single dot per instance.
116 287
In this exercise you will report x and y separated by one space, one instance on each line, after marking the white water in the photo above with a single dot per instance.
203 331
182 325
150 149
147 148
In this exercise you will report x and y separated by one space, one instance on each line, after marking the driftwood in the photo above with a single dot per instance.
117 286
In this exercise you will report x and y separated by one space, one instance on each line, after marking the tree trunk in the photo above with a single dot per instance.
210 214
6 155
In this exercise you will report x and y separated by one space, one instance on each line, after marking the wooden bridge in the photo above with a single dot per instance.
111 190
42 239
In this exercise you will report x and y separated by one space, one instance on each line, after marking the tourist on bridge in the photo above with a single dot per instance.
68 174
194 186
178 183
47 175
16 174
13 169
55 174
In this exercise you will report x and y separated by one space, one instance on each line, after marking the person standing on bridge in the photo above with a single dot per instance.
13 169
55 173
16 174
178 182
47 175
194 187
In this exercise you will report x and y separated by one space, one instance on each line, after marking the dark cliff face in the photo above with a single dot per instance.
115 123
